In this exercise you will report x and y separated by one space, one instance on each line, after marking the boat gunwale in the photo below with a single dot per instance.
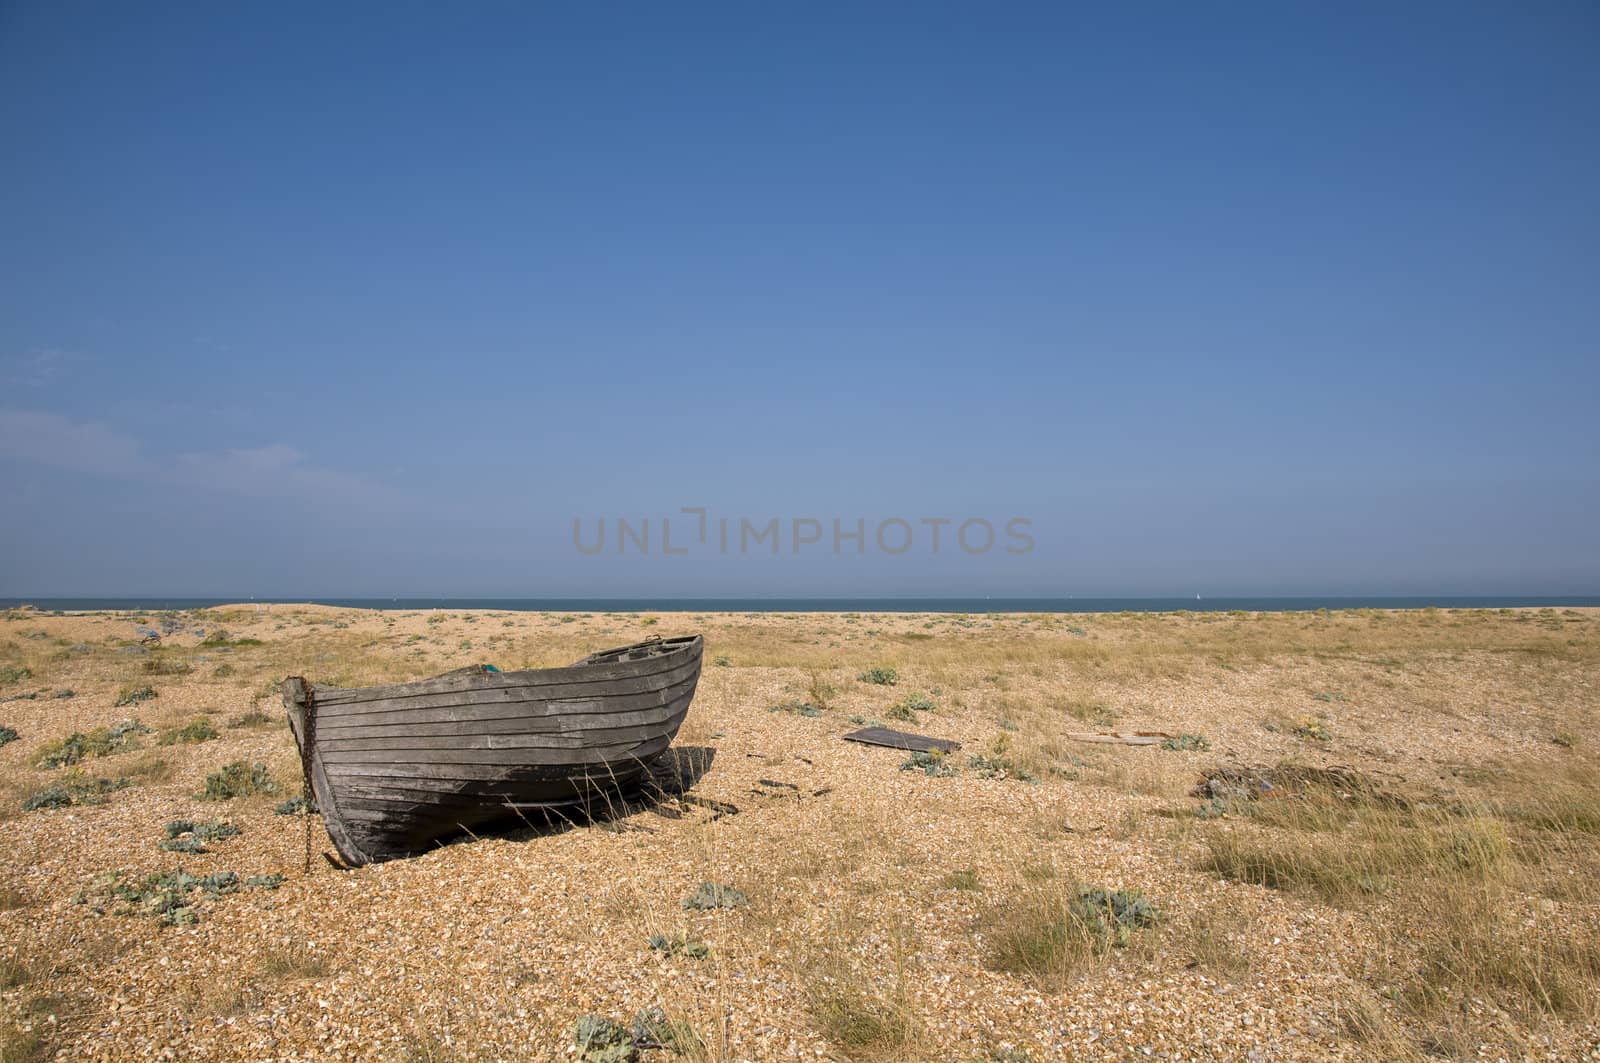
469 680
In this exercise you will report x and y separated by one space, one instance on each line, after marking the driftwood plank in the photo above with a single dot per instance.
1120 738
883 736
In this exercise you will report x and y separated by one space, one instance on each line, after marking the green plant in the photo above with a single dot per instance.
173 898
911 703
100 742
238 779
1114 913
713 895
73 789
996 765
883 677
601 1040
8 735
132 694
1312 728
934 763
1047 933
1186 743
680 944
196 730
795 707
187 836
219 637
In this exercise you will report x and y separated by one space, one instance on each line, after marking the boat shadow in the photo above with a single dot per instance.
664 791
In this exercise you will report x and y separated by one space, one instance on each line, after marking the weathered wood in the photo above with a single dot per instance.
1120 738
883 736
397 768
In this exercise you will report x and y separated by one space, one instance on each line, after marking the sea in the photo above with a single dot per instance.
838 605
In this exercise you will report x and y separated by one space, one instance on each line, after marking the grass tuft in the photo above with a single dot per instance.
1047 934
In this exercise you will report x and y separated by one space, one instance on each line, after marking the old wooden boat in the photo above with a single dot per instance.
396 769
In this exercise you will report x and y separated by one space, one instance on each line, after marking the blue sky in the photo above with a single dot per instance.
376 299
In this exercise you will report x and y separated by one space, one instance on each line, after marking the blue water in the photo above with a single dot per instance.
835 605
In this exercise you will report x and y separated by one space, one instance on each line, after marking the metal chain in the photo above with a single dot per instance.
306 791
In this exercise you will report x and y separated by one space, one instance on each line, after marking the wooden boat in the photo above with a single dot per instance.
395 769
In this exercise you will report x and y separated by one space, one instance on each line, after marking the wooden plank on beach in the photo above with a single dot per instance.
883 736
1121 738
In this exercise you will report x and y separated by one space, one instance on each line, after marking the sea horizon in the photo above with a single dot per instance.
791 604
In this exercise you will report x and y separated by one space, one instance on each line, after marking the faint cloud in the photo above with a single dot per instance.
278 471
38 368
274 471
84 446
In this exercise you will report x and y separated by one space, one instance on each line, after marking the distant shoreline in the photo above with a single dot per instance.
840 605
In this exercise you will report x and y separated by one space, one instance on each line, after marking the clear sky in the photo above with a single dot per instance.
349 299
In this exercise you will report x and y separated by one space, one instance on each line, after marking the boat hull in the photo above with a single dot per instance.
397 769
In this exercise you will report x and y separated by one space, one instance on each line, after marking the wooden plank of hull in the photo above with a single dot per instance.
397 768
617 729
469 773
512 725
493 696
465 709
470 745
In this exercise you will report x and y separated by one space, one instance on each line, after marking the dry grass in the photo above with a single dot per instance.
245 986
1458 885
860 997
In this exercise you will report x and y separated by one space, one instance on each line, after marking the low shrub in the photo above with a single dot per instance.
934 763
1312 728
100 742
712 895
132 694
239 779
680 944
188 836
196 730
74 788
220 638
908 707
